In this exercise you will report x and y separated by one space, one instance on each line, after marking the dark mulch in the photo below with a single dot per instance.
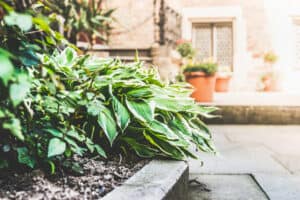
99 177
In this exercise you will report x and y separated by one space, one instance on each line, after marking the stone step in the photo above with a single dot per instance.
256 108
256 115
224 186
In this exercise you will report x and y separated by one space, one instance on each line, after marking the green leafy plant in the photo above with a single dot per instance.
55 106
19 51
270 57
115 104
208 67
86 18
185 49
84 105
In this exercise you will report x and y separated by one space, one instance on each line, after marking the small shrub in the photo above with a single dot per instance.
208 67
185 49
270 57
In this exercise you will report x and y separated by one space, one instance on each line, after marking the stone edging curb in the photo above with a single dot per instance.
157 180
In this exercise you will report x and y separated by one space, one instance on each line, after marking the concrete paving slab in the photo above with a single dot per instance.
238 159
270 153
291 162
279 187
279 139
225 187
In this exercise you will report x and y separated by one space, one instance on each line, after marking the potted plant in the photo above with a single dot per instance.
186 50
270 58
223 79
269 79
202 76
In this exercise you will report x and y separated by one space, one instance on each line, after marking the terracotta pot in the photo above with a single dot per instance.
204 85
270 84
222 83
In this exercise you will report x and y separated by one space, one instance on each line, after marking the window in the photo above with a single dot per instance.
214 40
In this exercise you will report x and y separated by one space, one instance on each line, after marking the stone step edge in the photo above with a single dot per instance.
159 179
257 115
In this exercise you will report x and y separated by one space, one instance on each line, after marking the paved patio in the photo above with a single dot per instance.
255 162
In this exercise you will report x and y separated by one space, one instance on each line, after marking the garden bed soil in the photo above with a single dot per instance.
99 177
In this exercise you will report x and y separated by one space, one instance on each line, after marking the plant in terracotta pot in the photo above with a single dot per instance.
223 79
202 76
269 79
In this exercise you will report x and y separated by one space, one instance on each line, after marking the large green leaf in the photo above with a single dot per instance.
56 147
203 111
23 21
141 149
172 104
25 158
144 92
179 123
14 126
95 147
163 129
100 150
168 149
18 92
74 134
54 132
142 110
94 107
6 68
108 124
121 113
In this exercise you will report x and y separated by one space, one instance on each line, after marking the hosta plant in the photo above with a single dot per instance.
118 105
84 105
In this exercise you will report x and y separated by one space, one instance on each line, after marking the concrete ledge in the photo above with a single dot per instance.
158 180
254 114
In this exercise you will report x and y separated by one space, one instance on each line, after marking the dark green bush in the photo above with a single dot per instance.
185 49
209 68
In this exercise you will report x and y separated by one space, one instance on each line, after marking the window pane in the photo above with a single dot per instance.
224 44
202 40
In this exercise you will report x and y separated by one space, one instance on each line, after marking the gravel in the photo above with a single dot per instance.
98 178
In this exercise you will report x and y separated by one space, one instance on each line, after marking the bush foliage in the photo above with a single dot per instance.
54 106
81 104
208 67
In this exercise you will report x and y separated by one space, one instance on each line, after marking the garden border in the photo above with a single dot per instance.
159 179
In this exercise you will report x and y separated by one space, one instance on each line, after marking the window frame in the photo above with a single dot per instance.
213 25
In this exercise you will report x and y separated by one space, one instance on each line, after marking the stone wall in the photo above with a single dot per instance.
134 27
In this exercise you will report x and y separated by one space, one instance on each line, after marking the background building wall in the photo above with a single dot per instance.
134 27
265 25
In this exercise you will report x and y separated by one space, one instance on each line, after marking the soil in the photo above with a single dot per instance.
99 177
